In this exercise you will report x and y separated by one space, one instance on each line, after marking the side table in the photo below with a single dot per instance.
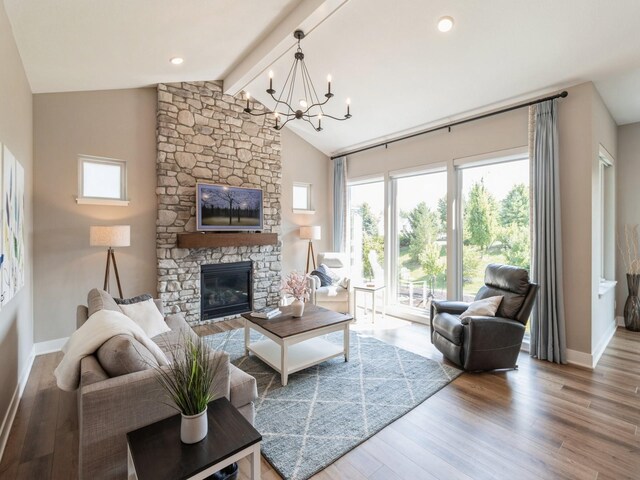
372 290
156 452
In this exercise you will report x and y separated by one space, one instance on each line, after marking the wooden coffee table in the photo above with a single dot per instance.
293 344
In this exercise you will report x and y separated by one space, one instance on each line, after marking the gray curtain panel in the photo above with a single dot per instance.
339 204
548 336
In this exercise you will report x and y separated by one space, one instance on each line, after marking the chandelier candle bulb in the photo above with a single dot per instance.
329 82
348 106
248 96
270 79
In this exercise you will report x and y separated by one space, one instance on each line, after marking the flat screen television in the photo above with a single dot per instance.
227 208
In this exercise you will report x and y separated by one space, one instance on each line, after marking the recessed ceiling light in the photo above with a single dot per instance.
176 60
445 24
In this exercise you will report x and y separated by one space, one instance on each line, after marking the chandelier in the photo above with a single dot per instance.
289 105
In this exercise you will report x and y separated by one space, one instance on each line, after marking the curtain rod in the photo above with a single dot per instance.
562 94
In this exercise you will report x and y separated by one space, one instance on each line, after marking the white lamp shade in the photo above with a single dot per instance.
110 236
311 232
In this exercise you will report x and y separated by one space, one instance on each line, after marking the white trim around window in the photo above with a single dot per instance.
85 198
307 208
501 156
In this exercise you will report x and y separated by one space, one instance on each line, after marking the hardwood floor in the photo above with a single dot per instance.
542 421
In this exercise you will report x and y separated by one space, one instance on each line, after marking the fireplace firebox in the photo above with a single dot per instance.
225 289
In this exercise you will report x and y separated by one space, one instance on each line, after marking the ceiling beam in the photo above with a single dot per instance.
306 16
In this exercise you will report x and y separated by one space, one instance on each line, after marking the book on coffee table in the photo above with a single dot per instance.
266 312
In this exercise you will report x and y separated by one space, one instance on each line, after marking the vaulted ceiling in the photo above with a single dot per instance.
400 72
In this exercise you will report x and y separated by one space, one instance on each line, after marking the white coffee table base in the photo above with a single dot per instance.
295 353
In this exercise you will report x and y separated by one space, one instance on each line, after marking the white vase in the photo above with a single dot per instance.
193 428
297 308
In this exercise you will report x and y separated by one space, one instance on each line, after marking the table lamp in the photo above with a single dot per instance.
110 236
311 233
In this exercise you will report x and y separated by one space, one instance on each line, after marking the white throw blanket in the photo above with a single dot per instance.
99 328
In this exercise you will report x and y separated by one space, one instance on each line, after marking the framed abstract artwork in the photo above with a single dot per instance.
12 255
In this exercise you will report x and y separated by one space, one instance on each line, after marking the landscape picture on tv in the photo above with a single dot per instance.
222 207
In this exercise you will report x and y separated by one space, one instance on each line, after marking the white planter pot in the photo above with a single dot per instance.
297 308
193 428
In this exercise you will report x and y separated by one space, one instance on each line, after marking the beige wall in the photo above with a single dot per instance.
117 124
16 127
575 122
605 135
302 162
627 182
491 135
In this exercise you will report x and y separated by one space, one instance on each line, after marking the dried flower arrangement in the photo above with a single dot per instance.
297 285
629 249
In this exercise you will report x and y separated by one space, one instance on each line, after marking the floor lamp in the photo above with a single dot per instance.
311 233
110 236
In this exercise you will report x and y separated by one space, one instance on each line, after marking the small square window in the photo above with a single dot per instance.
302 196
102 181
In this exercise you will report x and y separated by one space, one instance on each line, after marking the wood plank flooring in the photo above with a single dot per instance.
544 421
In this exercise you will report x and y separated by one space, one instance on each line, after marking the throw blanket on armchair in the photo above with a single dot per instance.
99 328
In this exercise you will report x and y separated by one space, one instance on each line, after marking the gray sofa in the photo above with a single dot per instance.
109 407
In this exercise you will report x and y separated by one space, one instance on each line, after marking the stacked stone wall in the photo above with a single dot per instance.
204 135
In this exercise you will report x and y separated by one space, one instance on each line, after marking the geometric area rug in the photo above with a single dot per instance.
329 409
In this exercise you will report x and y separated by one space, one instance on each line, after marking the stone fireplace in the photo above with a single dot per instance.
204 135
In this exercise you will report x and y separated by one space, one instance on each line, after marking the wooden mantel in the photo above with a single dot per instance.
222 239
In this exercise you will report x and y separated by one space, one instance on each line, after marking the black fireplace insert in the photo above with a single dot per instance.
226 289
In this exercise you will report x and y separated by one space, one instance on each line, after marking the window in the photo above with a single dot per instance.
606 214
418 246
102 181
302 197
495 219
366 231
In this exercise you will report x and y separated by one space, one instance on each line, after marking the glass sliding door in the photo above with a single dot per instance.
366 231
418 243
495 219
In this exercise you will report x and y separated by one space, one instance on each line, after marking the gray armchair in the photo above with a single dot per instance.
486 343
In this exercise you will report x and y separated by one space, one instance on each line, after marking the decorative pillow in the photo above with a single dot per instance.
325 279
100 300
330 273
147 316
129 301
487 307
123 354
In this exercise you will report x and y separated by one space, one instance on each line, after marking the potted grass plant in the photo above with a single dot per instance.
189 382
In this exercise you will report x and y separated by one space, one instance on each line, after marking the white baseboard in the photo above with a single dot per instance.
587 360
620 321
50 346
602 346
7 422
581 359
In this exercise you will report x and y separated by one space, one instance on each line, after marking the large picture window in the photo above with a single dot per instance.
366 231
419 239
495 219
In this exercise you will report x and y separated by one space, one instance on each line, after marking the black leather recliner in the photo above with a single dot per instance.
486 343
